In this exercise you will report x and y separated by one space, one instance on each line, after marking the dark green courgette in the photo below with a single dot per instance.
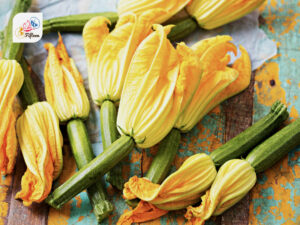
83 154
252 136
74 23
27 93
274 148
14 50
182 29
89 174
109 133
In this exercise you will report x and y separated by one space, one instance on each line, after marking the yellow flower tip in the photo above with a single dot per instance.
41 144
213 14
141 6
142 213
94 32
11 80
64 86
233 181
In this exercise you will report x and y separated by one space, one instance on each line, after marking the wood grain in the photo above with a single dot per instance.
239 112
18 214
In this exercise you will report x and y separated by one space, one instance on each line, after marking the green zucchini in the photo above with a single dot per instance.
83 154
274 148
27 93
252 136
14 50
182 29
162 161
109 133
90 173
74 23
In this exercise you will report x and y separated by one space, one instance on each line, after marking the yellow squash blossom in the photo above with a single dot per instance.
233 181
140 6
151 96
64 85
11 80
211 14
218 82
41 145
109 54
182 188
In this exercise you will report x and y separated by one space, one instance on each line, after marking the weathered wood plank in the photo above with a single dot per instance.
238 111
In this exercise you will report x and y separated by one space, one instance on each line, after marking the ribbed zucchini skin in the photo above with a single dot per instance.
252 136
83 154
14 50
109 133
74 23
275 147
89 173
162 161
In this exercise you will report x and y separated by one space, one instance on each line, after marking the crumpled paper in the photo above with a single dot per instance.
244 31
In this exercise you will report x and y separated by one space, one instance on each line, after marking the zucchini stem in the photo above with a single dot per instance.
109 133
90 173
83 154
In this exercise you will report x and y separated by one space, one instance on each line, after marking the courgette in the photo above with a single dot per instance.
83 154
274 148
27 93
182 29
10 49
252 136
109 133
90 173
75 23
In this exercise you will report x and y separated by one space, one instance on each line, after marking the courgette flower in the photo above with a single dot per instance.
64 86
109 54
11 80
215 13
41 144
233 181
151 97
219 82
140 6
180 189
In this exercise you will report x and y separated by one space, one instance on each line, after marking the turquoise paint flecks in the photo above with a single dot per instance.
289 77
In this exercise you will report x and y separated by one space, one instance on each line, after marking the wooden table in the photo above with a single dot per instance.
275 198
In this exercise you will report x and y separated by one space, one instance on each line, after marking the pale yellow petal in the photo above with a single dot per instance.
140 6
215 13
